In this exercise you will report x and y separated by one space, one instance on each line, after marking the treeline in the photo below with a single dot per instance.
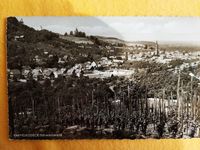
76 33
18 28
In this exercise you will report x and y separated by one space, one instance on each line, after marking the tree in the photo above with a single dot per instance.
83 34
53 62
76 32
74 73
71 33
82 73
21 21
95 40
79 33
65 34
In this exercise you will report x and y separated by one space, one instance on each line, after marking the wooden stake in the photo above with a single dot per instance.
178 95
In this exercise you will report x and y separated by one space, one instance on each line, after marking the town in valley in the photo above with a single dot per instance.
80 86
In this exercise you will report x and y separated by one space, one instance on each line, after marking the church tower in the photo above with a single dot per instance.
157 49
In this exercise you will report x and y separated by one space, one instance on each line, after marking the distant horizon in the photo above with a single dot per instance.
131 29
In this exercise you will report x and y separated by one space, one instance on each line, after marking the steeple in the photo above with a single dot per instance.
126 57
157 49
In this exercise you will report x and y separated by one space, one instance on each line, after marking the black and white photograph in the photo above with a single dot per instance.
81 77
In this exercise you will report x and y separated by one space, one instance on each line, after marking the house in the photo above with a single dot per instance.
101 47
50 56
105 62
37 73
46 52
60 61
84 55
117 61
37 59
15 74
47 72
77 69
52 76
67 58
93 65
81 46
108 47
61 71
87 65
112 57
25 71
18 37
40 76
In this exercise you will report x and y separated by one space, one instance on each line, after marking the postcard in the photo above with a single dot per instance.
103 77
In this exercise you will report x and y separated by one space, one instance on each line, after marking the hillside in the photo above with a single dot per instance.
44 48
110 40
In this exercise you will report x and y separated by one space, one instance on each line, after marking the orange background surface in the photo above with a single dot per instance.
86 8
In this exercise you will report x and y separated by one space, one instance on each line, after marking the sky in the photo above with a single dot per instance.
126 28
